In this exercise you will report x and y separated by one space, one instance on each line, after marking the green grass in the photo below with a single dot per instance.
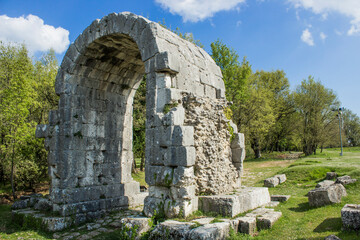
10 230
299 220
140 177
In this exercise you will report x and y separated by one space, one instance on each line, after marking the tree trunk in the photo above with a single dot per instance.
256 148
12 178
142 163
133 168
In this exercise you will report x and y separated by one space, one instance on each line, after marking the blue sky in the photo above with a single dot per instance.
302 37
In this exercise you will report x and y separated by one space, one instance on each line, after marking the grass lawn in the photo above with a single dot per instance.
299 220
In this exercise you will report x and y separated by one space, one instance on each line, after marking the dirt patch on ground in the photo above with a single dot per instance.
280 163
7 198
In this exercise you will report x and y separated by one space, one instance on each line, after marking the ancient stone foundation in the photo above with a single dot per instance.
89 137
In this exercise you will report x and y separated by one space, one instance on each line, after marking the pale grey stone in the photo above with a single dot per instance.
345 180
350 216
324 184
328 195
281 177
171 230
215 231
241 201
271 182
332 237
267 220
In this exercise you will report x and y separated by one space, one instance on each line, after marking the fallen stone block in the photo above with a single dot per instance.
271 182
281 177
350 216
323 196
332 237
216 231
231 205
345 180
330 175
267 220
247 225
280 198
171 230
324 184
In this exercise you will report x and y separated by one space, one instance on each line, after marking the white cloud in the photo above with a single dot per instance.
32 31
323 36
349 8
307 38
198 10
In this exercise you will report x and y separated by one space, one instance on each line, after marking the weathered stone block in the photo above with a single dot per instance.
180 156
324 184
271 182
330 175
41 131
345 180
280 198
231 205
215 231
350 216
267 220
281 177
171 230
324 196
247 225
183 176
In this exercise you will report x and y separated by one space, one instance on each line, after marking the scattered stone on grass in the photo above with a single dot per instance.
350 216
324 196
345 180
271 182
281 177
324 184
330 175
280 198
332 237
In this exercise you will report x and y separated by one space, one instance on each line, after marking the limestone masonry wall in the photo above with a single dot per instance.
214 170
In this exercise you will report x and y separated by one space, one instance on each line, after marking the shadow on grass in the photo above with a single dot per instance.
302 207
329 224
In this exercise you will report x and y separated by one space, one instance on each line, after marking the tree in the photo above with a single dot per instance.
351 124
235 75
16 97
26 96
314 103
139 116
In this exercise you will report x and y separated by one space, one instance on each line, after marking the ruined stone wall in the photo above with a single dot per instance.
214 170
89 137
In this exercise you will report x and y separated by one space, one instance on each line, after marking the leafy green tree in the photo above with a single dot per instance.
351 124
16 98
235 75
314 103
26 96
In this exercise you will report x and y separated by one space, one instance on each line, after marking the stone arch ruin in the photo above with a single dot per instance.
89 137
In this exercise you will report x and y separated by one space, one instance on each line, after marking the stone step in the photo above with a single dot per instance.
242 200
